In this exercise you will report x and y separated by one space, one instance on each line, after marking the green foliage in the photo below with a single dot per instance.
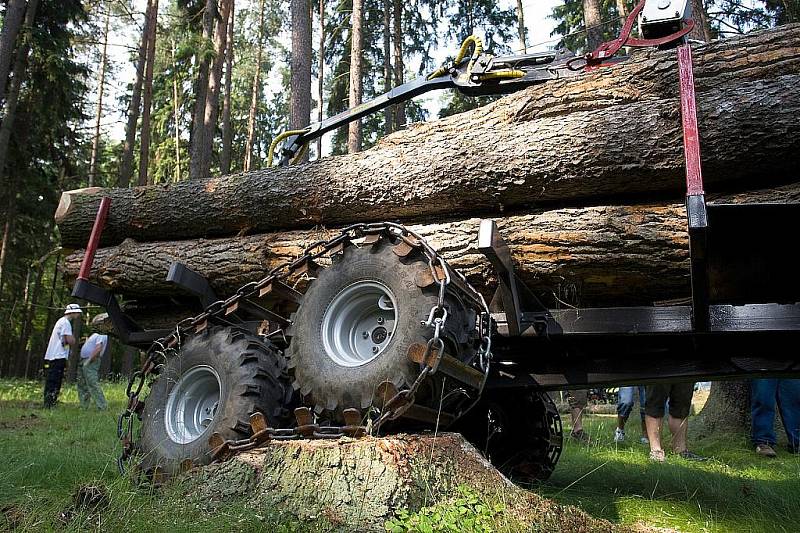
468 513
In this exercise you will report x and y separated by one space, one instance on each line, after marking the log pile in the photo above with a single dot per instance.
584 176
356 485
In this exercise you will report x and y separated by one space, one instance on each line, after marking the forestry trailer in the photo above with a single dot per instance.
372 330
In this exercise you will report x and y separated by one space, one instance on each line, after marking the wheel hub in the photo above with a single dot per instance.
192 404
358 323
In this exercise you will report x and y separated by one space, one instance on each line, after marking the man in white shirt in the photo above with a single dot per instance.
88 372
58 352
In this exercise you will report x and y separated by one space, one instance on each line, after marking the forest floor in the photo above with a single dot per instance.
48 455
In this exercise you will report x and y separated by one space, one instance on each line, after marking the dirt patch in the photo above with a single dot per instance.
22 423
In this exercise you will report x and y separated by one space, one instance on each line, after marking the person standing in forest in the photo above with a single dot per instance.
765 394
88 373
680 404
624 409
58 352
578 400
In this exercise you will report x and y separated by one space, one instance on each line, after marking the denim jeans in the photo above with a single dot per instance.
625 403
765 394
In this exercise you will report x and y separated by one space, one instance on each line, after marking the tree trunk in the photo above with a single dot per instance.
75 349
727 410
251 117
12 21
601 255
126 159
548 144
701 30
227 131
356 74
622 10
31 297
388 119
176 116
523 46
197 140
144 140
359 484
321 68
7 128
592 22
101 85
300 83
48 327
399 67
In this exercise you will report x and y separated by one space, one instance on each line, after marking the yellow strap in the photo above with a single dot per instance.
278 139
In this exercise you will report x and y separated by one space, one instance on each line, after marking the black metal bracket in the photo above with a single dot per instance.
697 216
192 282
513 300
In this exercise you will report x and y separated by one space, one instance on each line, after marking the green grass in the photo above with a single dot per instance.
47 455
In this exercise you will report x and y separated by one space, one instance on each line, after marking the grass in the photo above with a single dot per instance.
47 455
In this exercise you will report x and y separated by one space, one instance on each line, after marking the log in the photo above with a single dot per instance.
600 255
613 132
356 485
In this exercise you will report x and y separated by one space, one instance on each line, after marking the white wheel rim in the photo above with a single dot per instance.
359 323
192 404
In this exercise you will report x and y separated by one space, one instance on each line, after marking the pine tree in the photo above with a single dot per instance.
300 86
356 73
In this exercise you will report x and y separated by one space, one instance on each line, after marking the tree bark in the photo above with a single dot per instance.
176 116
126 159
227 131
201 87
622 10
592 22
701 30
144 140
399 66
727 410
75 349
356 73
593 256
523 46
12 21
101 85
300 108
615 134
251 117
321 68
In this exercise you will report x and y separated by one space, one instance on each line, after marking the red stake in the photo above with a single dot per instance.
691 137
94 238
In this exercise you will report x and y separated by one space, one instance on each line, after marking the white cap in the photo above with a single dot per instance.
73 308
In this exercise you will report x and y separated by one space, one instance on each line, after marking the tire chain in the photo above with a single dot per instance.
441 273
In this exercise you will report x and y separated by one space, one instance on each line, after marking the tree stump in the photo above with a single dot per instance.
356 485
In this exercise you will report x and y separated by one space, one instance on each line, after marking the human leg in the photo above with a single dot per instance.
624 408
654 416
762 410
789 408
80 381
577 400
52 386
92 371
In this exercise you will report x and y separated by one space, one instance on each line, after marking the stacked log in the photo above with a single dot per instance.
584 177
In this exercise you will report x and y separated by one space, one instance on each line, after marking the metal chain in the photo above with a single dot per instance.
394 407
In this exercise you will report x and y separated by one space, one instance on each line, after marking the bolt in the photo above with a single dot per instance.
380 320
374 349
365 335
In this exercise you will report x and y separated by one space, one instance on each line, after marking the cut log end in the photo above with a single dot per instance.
64 204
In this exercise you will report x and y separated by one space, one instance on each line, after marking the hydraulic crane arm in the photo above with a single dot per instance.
661 23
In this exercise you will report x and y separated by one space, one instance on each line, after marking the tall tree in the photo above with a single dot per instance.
15 11
251 115
387 62
523 46
176 115
101 84
399 66
144 140
356 73
622 9
203 55
701 30
7 127
227 132
126 159
300 84
321 70
592 22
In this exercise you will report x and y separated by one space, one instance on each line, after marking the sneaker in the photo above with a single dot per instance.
644 440
580 436
691 456
765 450
619 435
657 456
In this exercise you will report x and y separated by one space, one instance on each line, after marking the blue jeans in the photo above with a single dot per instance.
765 394
625 403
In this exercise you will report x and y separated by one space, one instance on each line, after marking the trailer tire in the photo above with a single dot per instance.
518 430
225 373
334 364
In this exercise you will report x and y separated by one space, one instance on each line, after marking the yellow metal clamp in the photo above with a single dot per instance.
281 137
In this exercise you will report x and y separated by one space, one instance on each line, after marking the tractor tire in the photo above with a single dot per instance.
518 430
218 379
357 322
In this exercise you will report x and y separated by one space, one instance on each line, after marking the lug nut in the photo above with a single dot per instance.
365 335
374 349
380 320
